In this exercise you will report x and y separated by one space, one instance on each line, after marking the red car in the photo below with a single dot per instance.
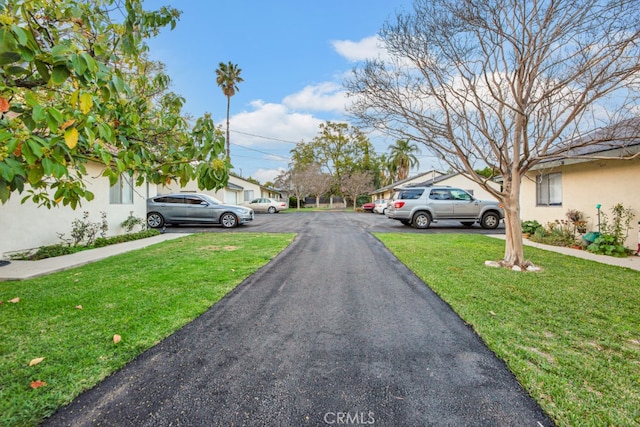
369 206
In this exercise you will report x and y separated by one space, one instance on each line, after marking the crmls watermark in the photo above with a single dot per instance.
347 418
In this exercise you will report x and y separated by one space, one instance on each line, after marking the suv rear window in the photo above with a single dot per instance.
410 194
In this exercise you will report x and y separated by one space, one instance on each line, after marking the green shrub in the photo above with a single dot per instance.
607 244
614 232
66 249
558 233
131 222
48 252
530 227
106 241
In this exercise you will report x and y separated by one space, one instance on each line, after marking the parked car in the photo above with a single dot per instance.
381 206
194 208
368 207
420 206
265 204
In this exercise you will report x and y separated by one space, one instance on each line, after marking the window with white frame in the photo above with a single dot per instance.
549 189
122 192
248 195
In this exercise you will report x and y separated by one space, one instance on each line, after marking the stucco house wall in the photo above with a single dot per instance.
461 181
237 191
28 226
585 185
387 192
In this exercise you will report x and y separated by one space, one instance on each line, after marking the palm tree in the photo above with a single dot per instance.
402 157
228 77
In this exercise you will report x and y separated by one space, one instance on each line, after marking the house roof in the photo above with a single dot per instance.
613 142
236 187
433 181
399 183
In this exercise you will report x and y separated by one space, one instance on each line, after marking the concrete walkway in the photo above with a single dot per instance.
21 270
632 262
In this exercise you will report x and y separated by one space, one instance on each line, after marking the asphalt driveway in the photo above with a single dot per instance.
334 331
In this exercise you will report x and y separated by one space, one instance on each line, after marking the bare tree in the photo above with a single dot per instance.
297 181
320 182
503 84
356 184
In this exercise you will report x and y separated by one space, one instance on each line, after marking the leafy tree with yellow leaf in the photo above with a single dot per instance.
76 86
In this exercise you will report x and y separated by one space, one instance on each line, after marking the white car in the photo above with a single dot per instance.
265 204
381 206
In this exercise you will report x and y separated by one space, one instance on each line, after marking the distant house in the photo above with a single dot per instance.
584 178
437 178
28 226
387 191
237 191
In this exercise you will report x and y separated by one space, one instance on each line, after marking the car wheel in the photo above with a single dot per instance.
467 223
384 211
228 220
421 220
155 220
272 209
490 220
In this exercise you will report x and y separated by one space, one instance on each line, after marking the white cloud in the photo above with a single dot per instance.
272 125
265 175
327 96
366 48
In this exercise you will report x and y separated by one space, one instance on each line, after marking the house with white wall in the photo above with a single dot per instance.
237 191
27 226
387 191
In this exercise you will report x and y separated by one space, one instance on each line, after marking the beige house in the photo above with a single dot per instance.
237 191
594 176
28 226
387 192
438 178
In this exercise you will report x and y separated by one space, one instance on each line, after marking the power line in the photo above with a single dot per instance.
284 159
263 137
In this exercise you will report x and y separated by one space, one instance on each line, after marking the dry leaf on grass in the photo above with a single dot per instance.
15 300
36 361
38 384
117 338
79 307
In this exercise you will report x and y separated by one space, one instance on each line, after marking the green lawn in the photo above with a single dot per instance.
142 296
570 334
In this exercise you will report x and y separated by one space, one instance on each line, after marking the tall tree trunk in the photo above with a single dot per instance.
514 250
228 144
317 202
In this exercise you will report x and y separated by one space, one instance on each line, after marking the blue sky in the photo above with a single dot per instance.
294 55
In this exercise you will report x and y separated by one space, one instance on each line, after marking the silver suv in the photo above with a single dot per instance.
194 208
420 206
